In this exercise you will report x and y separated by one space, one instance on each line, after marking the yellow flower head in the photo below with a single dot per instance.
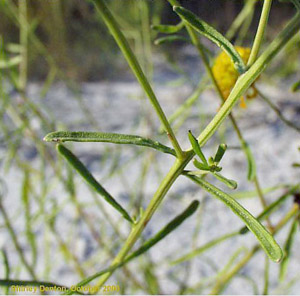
225 73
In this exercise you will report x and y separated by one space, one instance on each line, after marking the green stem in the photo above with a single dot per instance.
137 70
260 32
242 84
195 40
164 187
247 79
266 276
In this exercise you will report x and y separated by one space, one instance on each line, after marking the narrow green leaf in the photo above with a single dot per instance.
170 39
250 160
88 177
213 35
220 153
272 207
168 29
65 136
196 147
229 183
287 249
211 161
264 237
171 226
201 166
147 245
132 61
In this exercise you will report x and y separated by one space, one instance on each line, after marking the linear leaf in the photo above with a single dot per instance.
271 208
213 35
228 182
196 147
168 29
133 63
88 177
250 160
264 237
66 136
220 153
201 166
266 213
147 245
165 231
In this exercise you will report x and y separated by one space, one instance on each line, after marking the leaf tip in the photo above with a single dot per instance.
233 184
175 8
46 139
194 205
275 254
51 138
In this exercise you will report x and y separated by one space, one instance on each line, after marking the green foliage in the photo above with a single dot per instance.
265 238
88 177
107 138
213 35
134 33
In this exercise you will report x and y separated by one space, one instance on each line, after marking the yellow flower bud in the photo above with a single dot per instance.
225 73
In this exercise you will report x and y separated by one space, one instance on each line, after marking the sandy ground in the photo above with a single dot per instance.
120 107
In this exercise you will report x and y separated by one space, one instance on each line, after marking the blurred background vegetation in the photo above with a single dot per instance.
59 230
77 40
